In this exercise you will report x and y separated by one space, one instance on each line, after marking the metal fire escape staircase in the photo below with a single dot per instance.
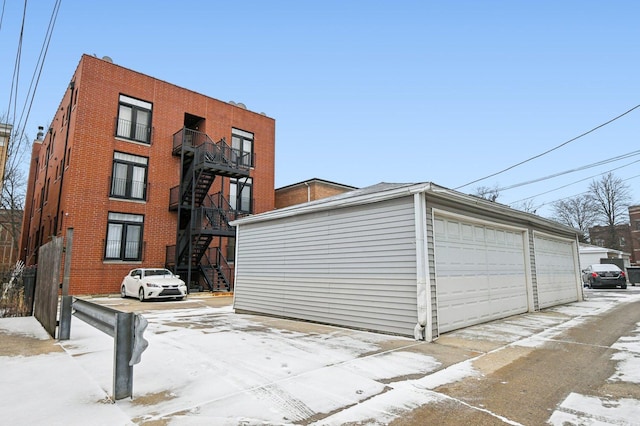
202 217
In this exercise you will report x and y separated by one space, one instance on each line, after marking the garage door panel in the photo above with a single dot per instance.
556 275
480 272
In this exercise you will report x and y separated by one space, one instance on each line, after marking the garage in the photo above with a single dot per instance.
481 272
413 259
557 266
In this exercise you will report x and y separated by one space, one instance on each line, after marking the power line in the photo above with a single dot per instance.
20 126
581 193
573 183
588 166
2 15
16 70
550 150
38 70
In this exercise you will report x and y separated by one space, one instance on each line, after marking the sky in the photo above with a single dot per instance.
375 91
207 365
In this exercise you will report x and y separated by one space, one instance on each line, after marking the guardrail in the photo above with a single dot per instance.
126 328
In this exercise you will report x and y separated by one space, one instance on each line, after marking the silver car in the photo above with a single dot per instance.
153 283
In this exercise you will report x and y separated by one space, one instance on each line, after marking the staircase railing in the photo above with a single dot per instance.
221 277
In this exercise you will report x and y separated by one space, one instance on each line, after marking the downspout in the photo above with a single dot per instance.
423 328
308 192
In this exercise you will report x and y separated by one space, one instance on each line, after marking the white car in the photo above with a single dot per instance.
153 283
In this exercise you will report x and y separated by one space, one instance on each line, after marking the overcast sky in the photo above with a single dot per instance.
374 91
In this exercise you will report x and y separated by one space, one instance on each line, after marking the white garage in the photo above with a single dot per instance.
408 259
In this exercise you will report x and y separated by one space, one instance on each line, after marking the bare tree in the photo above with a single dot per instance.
612 197
528 206
579 212
14 182
487 193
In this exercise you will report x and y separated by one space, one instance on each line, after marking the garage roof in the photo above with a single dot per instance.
385 191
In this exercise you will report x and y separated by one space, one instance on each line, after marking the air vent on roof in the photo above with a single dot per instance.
107 59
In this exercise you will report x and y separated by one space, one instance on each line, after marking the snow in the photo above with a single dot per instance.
208 365
23 326
69 398
588 410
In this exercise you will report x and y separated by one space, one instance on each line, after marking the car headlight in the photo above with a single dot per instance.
152 285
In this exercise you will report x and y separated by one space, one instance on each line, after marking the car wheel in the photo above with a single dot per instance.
623 286
123 292
179 298
141 294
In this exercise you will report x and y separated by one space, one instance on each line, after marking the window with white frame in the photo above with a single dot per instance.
242 143
134 119
129 178
124 237
241 194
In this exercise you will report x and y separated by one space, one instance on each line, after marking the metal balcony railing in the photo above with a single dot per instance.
140 132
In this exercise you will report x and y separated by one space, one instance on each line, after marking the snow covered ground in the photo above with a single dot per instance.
207 365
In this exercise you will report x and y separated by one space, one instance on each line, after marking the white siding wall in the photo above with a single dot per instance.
587 259
352 266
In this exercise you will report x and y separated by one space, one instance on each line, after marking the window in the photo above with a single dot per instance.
637 222
243 142
241 194
622 241
124 237
231 249
129 179
134 119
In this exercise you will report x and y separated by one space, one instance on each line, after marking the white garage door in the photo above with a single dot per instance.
480 272
556 271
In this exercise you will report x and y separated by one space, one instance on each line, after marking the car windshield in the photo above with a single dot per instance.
604 267
152 272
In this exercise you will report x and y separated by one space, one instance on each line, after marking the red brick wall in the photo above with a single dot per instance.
300 193
86 183
634 221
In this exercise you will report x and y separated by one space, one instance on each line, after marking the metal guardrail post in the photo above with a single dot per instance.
123 349
64 331
127 330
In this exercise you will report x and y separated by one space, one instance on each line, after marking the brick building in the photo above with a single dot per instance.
147 174
634 231
626 238
10 222
5 138
309 190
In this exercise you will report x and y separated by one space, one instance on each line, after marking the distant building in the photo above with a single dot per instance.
626 239
590 254
147 174
307 191
603 237
5 137
10 223
634 230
